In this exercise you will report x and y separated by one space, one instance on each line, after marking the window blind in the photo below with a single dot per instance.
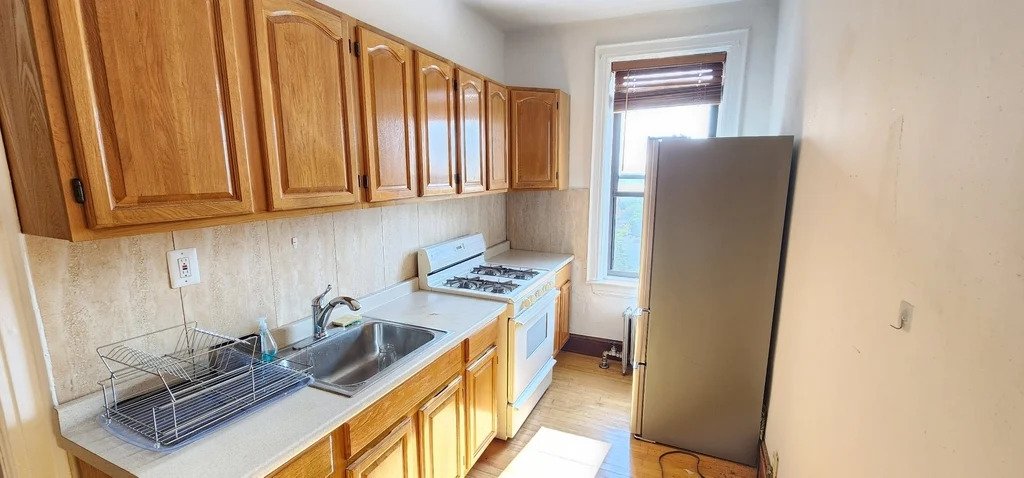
674 81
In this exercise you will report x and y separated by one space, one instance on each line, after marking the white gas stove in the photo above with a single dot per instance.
458 266
526 341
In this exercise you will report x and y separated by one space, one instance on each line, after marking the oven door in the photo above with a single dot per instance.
531 343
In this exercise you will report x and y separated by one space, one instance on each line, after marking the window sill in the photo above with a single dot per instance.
624 288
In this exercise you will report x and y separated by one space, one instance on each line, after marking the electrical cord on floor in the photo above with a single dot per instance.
679 452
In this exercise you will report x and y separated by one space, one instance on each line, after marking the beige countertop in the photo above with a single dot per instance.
535 260
266 439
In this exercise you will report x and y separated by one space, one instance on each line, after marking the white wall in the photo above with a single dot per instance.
26 423
563 56
446 27
909 186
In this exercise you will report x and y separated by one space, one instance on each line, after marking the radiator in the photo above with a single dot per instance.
629 321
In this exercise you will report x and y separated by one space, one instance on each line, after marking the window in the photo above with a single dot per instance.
675 96
657 88
631 129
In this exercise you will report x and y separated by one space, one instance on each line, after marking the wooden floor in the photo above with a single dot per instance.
591 402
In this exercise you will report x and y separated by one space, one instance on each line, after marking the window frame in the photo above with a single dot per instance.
734 44
614 193
613 190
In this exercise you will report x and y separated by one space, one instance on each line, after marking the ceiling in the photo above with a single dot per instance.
520 14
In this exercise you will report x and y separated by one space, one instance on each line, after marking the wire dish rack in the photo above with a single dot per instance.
164 401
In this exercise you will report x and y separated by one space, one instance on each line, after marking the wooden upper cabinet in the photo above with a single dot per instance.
155 97
389 125
539 138
472 146
307 98
435 120
497 137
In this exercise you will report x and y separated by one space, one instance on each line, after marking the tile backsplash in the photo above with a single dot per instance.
97 292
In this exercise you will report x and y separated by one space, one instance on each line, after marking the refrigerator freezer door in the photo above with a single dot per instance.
636 418
718 212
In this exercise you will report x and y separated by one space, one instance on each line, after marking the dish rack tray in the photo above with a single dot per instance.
165 400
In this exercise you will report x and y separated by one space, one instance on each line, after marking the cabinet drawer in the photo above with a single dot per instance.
317 461
563 275
477 343
375 420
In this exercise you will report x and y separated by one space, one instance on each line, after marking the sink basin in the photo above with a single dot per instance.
350 359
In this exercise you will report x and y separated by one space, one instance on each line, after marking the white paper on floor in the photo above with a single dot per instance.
554 453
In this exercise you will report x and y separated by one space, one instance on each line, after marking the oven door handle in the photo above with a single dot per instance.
529 319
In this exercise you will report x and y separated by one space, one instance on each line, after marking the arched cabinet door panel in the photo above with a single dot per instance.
539 152
472 145
156 100
435 119
308 106
497 137
389 125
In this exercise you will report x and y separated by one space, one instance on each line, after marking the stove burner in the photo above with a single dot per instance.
483 285
506 272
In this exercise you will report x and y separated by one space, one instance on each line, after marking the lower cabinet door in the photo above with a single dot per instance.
392 457
441 433
562 320
481 405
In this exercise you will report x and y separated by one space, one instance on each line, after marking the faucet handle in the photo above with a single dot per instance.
319 299
348 301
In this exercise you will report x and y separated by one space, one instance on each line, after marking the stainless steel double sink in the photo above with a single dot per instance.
350 359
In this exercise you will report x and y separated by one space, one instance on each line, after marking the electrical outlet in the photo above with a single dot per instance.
183 267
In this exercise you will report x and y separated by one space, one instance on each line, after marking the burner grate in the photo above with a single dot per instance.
505 272
481 284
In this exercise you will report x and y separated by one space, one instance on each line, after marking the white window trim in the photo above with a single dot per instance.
734 44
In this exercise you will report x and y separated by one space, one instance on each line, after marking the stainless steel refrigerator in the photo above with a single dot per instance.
714 211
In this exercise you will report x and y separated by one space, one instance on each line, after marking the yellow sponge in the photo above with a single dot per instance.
346 319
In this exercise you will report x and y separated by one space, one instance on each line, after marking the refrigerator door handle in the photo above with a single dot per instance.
640 344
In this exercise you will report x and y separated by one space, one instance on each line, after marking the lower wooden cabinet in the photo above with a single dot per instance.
434 434
562 277
562 316
393 457
86 470
440 425
481 404
316 462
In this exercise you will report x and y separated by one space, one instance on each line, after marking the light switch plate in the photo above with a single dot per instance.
183 267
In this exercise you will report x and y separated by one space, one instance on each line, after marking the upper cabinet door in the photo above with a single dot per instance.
497 137
435 117
307 98
539 131
472 147
386 93
156 99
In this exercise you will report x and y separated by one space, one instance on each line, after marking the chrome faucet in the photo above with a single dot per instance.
321 313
